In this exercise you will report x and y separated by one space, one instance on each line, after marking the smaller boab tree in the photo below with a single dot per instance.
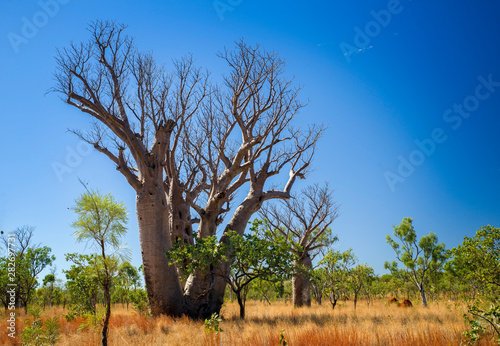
304 221
421 259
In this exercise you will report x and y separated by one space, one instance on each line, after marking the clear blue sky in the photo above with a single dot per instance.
381 74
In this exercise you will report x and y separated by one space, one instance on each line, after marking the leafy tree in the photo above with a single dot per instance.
4 280
82 283
264 290
127 281
101 221
477 259
336 270
318 284
187 145
50 292
30 261
360 278
39 332
253 258
420 259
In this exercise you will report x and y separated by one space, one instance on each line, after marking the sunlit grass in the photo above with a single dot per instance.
379 324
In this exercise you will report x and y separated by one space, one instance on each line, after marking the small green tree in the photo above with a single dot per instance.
336 269
30 260
360 278
127 281
101 221
420 259
82 283
38 332
477 259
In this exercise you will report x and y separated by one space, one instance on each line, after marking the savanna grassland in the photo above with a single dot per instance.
380 323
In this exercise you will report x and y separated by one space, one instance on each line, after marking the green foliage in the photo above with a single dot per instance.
421 259
70 316
29 262
251 257
49 279
139 299
337 267
38 332
82 283
477 260
101 219
282 340
483 322
360 278
212 324
92 321
125 283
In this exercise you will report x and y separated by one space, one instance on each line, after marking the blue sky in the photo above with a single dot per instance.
406 64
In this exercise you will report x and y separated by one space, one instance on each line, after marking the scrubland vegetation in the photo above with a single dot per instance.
379 324
187 146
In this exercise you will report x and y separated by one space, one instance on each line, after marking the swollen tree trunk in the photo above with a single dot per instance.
204 293
162 281
301 283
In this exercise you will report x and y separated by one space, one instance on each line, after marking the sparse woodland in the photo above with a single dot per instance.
233 253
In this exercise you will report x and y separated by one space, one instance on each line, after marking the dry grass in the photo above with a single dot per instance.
380 324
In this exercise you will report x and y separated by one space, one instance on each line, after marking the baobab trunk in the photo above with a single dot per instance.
301 283
180 215
204 293
162 281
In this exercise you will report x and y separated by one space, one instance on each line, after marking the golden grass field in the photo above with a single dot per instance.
379 324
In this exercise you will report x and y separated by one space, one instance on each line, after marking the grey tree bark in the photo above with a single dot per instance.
186 146
301 283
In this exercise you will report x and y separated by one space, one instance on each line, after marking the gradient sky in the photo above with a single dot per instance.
397 83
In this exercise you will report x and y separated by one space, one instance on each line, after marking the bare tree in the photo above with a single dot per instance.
186 144
305 221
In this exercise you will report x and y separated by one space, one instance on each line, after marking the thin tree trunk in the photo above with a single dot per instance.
107 297
333 301
318 296
162 281
241 303
301 284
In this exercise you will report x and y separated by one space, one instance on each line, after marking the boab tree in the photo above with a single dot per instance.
304 221
186 144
